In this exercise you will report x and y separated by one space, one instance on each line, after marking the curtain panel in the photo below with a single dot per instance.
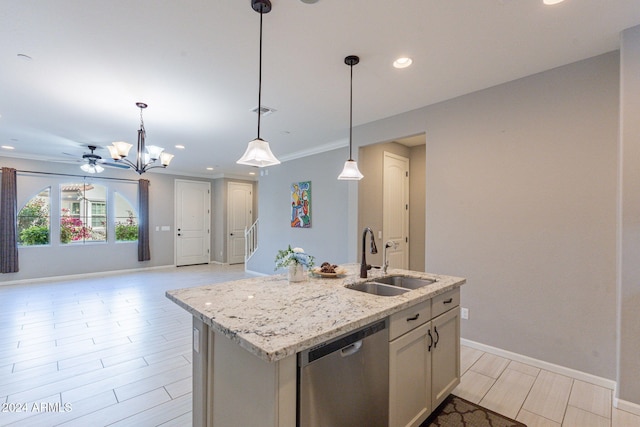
8 222
144 253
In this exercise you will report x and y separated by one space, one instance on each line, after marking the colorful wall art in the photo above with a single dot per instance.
301 204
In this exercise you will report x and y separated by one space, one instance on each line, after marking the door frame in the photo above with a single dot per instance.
175 217
228 222
405 195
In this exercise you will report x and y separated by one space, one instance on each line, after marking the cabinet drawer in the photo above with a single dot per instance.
445 302
409 318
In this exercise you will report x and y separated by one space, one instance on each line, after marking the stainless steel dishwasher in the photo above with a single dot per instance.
345 382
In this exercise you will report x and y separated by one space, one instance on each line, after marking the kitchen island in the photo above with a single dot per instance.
247 333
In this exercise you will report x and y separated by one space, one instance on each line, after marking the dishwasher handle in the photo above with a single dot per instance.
351 349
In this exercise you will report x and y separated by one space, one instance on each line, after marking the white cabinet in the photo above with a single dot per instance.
409 365
424 358
445 355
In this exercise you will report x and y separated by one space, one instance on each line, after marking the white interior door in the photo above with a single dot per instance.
239 216
193 216
395 215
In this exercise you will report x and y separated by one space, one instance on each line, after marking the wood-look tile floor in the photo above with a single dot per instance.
534 396
113 350
98 351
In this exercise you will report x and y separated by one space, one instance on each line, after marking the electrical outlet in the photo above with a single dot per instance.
464 313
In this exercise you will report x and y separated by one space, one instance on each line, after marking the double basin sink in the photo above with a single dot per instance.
390 285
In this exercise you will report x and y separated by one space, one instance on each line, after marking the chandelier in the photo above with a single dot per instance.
147 155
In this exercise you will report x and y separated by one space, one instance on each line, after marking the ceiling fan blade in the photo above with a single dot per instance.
114 165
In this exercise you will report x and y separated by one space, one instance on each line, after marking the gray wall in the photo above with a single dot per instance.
521 200
327 238
521 184
417 208
629 230
56 260
370 200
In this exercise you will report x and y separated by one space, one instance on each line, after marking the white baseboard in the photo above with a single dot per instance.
623 405
80 275
562 370
255 272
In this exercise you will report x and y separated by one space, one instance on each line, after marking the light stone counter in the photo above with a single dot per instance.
273 319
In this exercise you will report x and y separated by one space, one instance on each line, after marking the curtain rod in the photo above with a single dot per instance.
76 176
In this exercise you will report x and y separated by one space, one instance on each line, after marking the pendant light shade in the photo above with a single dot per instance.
258 152
350 170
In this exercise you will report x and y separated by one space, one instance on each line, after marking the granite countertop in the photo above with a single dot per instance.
273 318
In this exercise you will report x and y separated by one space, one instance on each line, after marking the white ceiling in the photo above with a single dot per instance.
195 62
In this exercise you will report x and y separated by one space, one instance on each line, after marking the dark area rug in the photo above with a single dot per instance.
457 412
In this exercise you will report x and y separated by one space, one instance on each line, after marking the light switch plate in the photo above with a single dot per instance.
464 313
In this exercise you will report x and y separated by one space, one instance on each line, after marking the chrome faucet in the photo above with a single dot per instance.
385 260
363 265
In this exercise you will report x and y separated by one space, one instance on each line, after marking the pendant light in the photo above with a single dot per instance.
258 152
350 171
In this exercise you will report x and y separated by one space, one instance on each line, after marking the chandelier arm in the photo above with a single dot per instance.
127 162
147 167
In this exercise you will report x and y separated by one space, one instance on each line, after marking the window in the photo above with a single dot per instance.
98 214
126 220
87 213
33 220
83 213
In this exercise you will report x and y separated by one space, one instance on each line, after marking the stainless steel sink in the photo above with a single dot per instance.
379 289
404 282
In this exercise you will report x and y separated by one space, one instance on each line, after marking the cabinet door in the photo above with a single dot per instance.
445 355
409 378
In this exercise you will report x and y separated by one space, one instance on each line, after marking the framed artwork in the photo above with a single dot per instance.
301 204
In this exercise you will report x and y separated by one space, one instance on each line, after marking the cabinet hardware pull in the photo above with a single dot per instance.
435 344
449 301
409 319
430 340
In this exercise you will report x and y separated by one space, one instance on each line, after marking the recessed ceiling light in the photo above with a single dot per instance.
402 62
252 173
8 147
551 2
180 147
209 168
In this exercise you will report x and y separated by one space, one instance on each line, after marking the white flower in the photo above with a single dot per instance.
298 250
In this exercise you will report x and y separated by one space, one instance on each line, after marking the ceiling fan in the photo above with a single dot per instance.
94 163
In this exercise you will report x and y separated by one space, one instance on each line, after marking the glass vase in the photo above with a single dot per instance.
296 273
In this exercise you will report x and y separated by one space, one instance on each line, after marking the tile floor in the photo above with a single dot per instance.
112 350
536 397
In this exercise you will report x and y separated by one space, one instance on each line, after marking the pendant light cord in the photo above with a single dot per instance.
350 113
260 77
